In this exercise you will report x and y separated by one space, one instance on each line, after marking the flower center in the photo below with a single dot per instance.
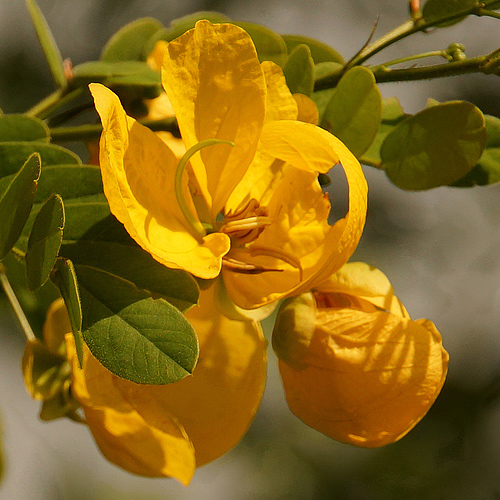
246 224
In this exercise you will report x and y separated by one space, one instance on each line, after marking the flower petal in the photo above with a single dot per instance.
300 230
214 80
265 171
124 437
218 402
307 109
369 377
138 172
303 145
364 282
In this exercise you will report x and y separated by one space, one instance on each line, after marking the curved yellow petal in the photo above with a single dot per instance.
302 145
364 282
310 249
216 85
369 378
138 172
154 449
218 402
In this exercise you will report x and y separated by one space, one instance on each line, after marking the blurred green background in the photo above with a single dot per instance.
439 248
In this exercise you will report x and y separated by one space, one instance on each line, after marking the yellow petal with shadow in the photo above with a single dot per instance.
218 402
138 172
368 378
126 438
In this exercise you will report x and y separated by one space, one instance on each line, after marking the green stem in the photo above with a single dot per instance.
53 102
481 64
30 336
409 28
490 13
90 131
413 57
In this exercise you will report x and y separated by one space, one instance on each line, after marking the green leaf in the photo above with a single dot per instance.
22 128
13 154
487 170
269 45
130 262
119 73
44 242
322 97
435 147
16 203
320 52
138 338
437 9
49 47
355 109
179 26
128 43
392 114
80 186
64 277
299 71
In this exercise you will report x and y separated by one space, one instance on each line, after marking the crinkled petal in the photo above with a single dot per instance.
138 172
218 402
265 171
216 85
369 377
365 282
280 104
126 438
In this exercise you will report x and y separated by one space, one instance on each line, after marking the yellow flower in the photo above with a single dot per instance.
169 430
353 364
253 210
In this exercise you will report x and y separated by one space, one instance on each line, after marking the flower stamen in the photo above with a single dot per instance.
242 267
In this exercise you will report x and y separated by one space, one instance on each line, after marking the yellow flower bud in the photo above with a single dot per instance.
365 376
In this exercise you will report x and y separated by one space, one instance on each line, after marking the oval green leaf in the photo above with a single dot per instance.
435 147
128 261
122 73
22 128
269 45
17 202
44 242
13 155
64 277
141 339
128 43
437 9
487 170
299 71
322 97
355 110
320 52
49 46
392 114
